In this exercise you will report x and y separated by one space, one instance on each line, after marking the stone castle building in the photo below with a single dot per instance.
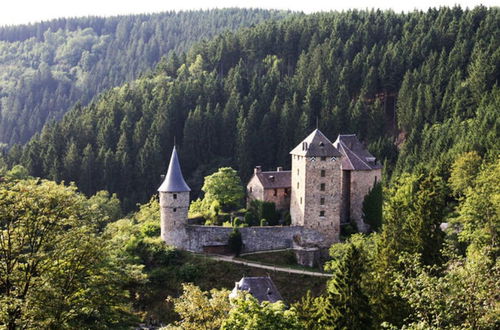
326 186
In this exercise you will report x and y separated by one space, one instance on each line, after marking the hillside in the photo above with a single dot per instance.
247 98
45 68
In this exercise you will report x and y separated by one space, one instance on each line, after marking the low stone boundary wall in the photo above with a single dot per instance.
254 238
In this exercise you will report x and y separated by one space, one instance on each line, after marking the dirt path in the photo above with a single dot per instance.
257 265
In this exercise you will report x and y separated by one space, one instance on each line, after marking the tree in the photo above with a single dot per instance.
247 313
464 171
55 271
224 186
201 309
346 304
235 242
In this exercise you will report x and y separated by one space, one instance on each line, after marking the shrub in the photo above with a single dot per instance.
235 242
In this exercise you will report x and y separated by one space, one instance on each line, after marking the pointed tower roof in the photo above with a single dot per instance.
316 145
174 181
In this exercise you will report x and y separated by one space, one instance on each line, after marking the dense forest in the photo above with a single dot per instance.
418 88
45 68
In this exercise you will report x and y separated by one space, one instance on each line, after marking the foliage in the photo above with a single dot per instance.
247 313
478 219
263 210
55 270
47 67
235 242
464 171
243 94
223 187
465 296
372 207
200 309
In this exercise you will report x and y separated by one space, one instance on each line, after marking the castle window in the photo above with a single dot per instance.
321 213
298 172
175 196
323 158
322 187
375 179
297 185
251 189
175 210
322 201
275 192
322 173
300 200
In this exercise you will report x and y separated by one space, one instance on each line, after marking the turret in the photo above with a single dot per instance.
174 204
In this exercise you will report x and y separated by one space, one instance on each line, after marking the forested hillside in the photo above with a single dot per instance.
424 81
46 67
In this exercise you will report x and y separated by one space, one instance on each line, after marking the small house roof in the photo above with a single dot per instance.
262 288
174 181
356 157
316 145
275 179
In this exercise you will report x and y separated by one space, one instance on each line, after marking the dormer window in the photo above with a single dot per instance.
321 144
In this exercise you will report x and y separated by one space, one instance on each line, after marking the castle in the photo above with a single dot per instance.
325 187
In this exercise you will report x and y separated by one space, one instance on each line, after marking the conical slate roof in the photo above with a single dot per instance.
174 181
316 145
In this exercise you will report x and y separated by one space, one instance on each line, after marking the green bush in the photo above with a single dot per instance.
189 272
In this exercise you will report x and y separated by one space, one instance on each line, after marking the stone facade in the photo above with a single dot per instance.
270 186
197 238
316 193
360 185
173 216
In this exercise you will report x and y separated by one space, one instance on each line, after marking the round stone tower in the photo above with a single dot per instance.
174 204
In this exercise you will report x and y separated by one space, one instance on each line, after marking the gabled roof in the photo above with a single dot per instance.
174 181
356 157
275 179
262 288
316 145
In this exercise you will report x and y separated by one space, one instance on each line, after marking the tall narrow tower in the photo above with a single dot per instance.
174 204
316 186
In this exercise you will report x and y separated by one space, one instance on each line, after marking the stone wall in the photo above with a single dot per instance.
297 198
254 238
325 202
361 184
279 196
173 214
255 191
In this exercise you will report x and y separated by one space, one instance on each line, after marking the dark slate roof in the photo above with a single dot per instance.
316 145
275 179
356 157
262 288
174 181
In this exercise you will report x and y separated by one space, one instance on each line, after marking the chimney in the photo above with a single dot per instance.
257 169
279 169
